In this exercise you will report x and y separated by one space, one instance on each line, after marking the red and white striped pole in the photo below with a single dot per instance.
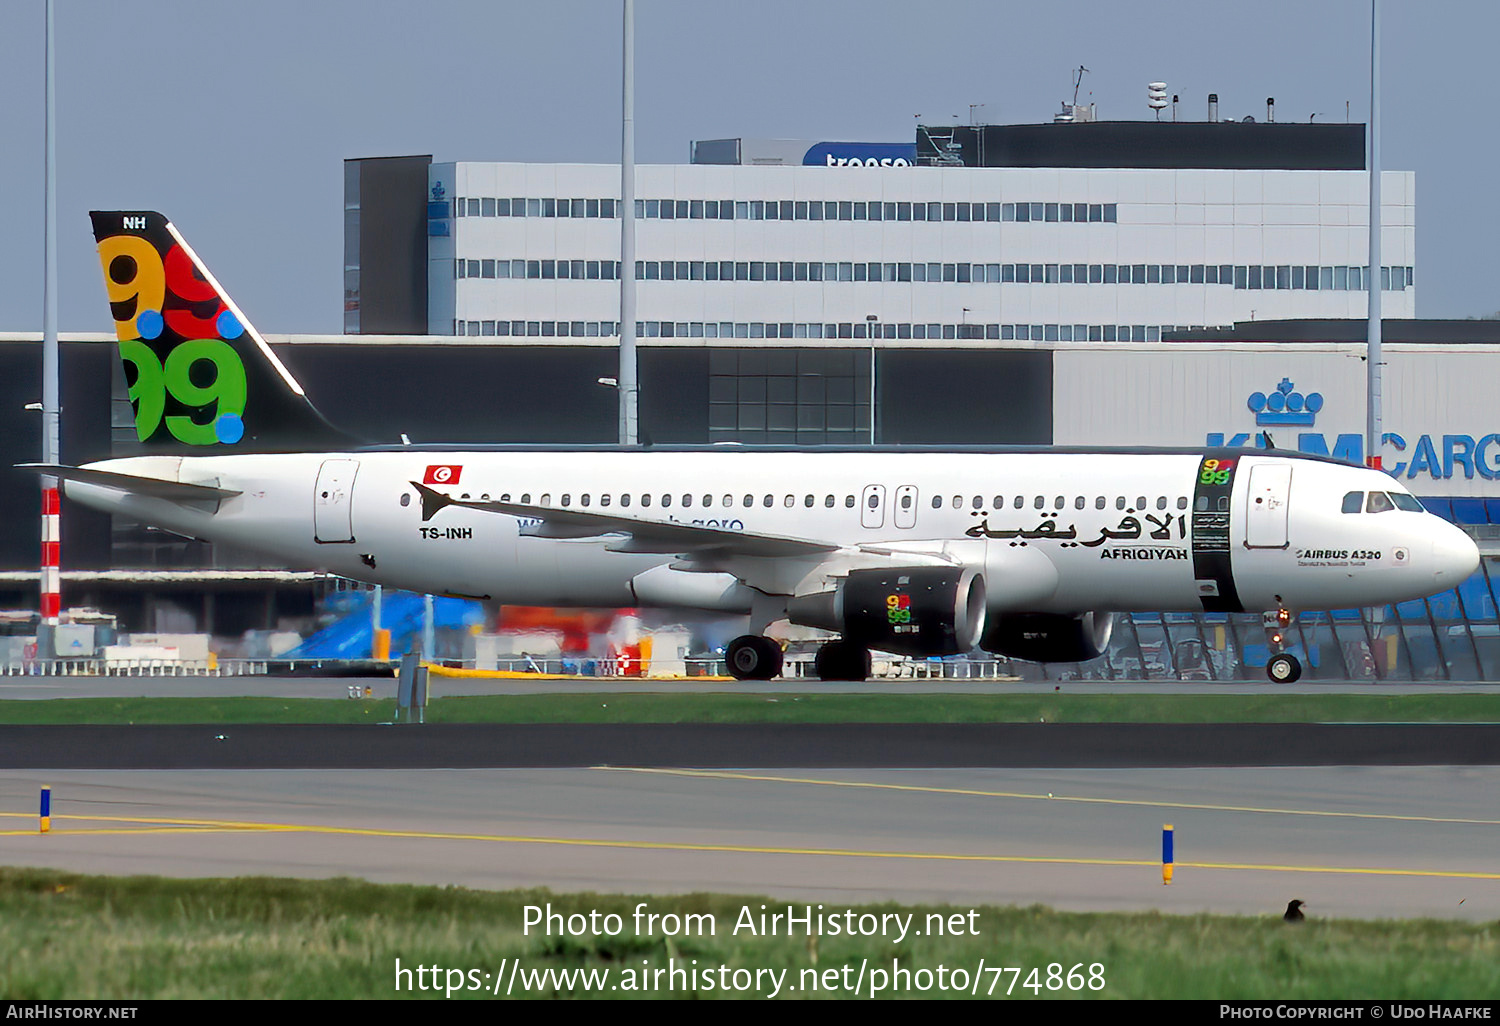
51 556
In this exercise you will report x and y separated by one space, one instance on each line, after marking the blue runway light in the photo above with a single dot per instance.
1166 854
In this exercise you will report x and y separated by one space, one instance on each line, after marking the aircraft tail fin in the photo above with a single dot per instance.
201 378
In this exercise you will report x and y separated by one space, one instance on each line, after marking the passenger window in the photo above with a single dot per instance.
1161 502
771 498
937 502
526 498
603 499
958 502
708 500
1059 502
905 501
999 502
789 501
583 500
848 502
1182 502
666 500
1140 502
645 500
1040 502
687 501
1379 503
728 501
978 501
1099 502
1201 506
1119 502
567 500
749 501
808 501
505 497
1406 502
1353 501
1078 502
1020 502
828 501
545 500
625 499
406 498
874 502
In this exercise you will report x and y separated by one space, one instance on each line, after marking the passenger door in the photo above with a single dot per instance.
332 514
1266 505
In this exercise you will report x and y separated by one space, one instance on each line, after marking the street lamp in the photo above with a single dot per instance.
872 328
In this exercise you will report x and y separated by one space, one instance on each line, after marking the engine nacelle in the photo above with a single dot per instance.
920 611
1048 637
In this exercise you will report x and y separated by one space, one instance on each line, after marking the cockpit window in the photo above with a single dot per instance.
1379 503
1353 502
1406 502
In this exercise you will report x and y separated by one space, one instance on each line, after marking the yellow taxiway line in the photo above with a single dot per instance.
158 825
1022 795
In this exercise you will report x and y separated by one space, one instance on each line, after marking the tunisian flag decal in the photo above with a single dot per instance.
442 475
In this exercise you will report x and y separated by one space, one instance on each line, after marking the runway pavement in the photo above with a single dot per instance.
729 745
1363 842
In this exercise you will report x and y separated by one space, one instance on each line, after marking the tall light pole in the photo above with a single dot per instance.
628 385
1372 350
51 574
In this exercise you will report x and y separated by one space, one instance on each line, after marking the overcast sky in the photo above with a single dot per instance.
233 119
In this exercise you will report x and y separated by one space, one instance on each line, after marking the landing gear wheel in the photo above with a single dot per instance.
1283 669
752 657
842 660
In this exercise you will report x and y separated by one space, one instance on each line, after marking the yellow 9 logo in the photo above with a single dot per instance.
136 282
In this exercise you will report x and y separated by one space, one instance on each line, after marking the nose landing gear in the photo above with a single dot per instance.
1282 667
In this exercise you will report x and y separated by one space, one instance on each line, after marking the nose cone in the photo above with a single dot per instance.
1454 557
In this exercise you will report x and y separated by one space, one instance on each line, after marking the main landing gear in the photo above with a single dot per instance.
1282 667
842 660
753 657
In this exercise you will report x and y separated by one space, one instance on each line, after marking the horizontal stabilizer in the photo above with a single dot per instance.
651 536
155 487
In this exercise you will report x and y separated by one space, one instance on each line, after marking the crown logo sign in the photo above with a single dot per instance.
1285 407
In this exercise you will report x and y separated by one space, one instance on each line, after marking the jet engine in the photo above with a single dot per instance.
1048 637
919 611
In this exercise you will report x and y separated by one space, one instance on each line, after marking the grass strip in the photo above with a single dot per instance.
782 708
67 936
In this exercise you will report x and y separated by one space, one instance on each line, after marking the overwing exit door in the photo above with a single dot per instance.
1266 505
872 506
332 517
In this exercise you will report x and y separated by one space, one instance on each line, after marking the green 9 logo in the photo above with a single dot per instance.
223 396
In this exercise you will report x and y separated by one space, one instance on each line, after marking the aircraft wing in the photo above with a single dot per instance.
153 486
640 535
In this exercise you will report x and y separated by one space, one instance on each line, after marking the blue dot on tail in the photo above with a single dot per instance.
149 324
229 325
229 428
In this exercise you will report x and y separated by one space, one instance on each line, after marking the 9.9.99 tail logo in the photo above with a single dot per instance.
185 378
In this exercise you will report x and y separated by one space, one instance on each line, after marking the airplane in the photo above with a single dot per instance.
1023 552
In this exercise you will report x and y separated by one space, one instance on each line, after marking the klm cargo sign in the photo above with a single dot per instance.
1284 411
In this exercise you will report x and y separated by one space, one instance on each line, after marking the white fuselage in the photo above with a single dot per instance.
1055 531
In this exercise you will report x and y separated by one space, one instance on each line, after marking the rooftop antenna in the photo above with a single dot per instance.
1078 81
1156 97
